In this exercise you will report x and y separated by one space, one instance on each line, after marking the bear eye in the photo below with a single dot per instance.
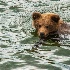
36 26
47 26
39 26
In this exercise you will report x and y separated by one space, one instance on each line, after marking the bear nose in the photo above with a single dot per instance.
42 34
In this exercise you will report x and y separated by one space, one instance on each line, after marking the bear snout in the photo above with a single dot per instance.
42 34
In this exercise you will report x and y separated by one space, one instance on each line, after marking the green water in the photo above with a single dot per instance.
17 37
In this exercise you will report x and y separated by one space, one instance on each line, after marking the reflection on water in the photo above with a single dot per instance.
16 39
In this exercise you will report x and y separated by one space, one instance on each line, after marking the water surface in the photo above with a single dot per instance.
16 38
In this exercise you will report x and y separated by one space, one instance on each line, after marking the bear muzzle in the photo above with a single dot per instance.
42 35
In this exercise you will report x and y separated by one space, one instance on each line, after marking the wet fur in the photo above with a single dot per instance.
50 24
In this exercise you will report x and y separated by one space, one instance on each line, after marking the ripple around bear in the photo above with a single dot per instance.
49 25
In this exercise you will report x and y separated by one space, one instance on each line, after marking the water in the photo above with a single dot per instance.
16 39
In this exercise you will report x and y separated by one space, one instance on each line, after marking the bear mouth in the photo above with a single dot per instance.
52 36
44 37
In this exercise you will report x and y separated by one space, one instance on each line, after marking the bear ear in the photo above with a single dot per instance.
55 18
36 15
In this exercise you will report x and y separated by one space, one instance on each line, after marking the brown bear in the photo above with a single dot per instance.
48 25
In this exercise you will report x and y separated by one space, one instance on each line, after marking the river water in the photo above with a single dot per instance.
16 38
